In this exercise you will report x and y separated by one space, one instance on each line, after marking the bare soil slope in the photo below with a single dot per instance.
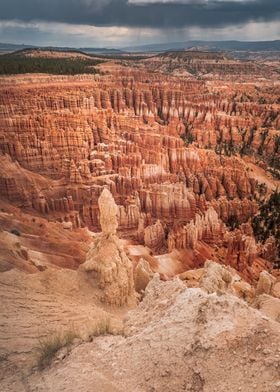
36 306
178 339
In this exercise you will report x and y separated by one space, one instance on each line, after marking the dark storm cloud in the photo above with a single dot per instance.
153 15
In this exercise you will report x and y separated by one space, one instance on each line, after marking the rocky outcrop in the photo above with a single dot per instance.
108 213
206 227
200 63
267 297
204 322
216 278
143 274
241 250
268 305
154 236
265 283
172 150
107 258
168 154
211 321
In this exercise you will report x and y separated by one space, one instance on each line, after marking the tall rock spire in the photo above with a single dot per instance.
108 259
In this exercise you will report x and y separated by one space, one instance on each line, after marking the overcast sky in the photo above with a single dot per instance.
118 23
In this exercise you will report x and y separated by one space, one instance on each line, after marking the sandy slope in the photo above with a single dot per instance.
178 339
35 306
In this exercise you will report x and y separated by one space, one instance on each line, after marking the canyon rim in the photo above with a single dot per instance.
140 197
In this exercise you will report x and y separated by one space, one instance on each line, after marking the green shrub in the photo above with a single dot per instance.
3 357
16 64
233 222
15 232
267 222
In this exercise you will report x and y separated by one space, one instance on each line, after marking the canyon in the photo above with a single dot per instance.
151 176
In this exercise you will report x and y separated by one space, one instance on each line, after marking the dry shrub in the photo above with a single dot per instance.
49 346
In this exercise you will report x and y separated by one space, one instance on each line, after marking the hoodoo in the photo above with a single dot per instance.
107 258
140 210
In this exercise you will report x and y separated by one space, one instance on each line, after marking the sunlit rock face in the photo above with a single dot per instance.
185 157
108 213
107 258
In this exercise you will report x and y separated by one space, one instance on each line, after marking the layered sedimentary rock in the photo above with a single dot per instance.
107 258
215 278
143 274
206 227
180 155
153 170
154 236
208 64
242 249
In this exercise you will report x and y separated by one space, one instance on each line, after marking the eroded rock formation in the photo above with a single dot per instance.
185 158
152 174
216 278
107 258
